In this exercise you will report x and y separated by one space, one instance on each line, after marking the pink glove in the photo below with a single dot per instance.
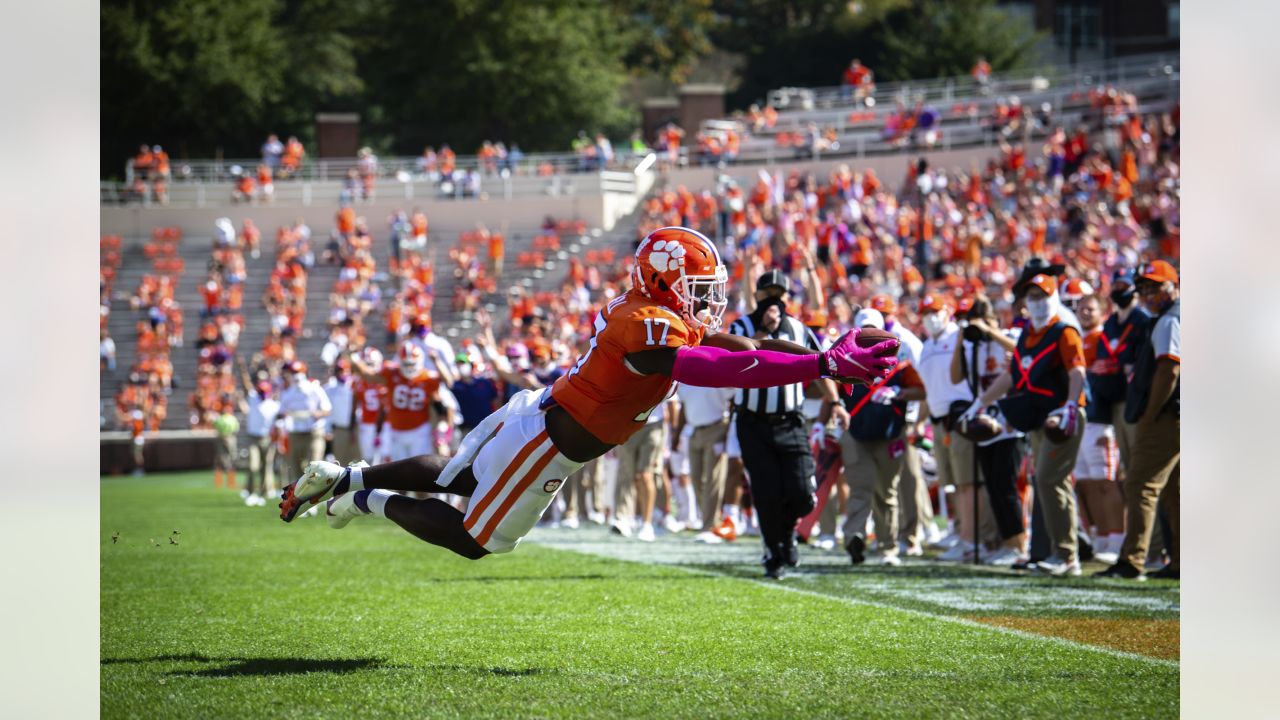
847 362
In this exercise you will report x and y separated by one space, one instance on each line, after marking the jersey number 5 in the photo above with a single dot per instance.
648 329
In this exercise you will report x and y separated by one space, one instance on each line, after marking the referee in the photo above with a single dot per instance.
771 428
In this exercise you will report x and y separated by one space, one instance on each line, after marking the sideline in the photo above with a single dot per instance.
544 539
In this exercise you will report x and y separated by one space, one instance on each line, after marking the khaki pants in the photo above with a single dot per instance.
1126 434
708 468
588 479
954 455
225 457
303 448
873 490
641 453
917 508
1156 467
346 446
1054 464
262 455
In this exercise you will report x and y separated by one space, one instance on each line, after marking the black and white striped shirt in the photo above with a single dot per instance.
783 398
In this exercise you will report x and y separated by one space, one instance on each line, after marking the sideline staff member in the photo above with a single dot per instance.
1046 378
772 430
1153 405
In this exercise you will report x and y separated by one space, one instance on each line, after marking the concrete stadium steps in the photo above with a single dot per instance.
196 252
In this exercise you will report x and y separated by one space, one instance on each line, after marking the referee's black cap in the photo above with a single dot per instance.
774 278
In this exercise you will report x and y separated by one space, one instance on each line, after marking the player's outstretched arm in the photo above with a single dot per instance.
739 343
717 367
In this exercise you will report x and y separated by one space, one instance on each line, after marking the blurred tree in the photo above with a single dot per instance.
937 38
797 42
203 75
460 72
664 38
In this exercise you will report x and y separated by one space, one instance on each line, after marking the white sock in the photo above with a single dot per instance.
377 501
732 512
691 504
1115 541
355 479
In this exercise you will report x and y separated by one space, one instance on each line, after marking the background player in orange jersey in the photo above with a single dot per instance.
371 397
413 395
663 330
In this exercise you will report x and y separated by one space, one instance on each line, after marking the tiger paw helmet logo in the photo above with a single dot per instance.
667 255
552 485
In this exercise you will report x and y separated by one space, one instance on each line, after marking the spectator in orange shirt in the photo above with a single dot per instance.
160 174
243 190
981 73
266 183
669 138
293 154
144 162
497 251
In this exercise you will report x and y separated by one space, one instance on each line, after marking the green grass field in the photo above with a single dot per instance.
248 617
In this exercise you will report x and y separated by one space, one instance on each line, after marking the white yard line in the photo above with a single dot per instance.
591 548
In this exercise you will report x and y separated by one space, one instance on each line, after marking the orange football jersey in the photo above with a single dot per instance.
370 396
600 392
409 401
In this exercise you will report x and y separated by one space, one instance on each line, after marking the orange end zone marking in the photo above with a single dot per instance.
1153 638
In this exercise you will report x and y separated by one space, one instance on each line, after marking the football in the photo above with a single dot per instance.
981 428
869 337
1054 430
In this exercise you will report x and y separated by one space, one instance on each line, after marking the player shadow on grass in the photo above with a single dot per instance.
261 667
267 667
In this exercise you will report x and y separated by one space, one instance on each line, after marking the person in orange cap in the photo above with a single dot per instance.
1152 402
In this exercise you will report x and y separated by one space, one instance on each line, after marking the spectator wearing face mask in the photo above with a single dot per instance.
953 453
1115 354
1096 464
477 395
1045 386
1153 403
873 451
439 352
978 362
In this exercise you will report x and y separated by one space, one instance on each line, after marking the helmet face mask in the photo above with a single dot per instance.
705 298
411 360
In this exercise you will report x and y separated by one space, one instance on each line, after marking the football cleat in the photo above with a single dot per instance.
341 510
727 531
314 487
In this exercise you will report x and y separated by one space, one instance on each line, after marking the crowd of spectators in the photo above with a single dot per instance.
142 400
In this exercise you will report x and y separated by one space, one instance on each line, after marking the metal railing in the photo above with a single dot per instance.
415 167
975 110
1115 70
407 187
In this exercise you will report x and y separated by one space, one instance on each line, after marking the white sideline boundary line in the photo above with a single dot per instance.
775 585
